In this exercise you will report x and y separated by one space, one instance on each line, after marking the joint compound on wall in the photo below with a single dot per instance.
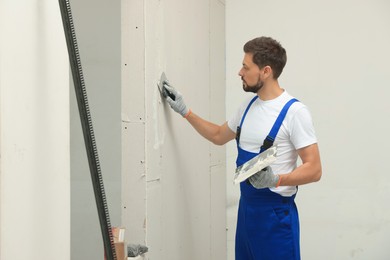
157 140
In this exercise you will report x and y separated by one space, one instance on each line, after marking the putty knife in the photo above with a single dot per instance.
163 90
255 164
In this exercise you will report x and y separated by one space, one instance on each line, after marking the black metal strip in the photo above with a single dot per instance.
86 123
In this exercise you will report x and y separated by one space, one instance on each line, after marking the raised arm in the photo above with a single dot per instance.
218 134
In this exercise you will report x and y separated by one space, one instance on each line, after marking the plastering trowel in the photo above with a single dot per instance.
255 165
163 90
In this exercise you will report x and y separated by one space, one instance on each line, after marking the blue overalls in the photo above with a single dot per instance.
267 224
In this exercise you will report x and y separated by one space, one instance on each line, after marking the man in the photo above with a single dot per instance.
267 225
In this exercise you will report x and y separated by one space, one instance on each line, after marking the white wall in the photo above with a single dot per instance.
34 112
338 53
173 179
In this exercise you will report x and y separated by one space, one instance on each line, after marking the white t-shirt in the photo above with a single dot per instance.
296 132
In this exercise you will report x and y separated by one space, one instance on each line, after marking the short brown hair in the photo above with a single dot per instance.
267 52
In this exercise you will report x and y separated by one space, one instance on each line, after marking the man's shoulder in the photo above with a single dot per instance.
296 106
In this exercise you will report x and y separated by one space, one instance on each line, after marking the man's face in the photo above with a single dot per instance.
250 75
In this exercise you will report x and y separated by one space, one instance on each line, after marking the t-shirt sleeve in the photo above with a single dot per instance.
302 129
234 121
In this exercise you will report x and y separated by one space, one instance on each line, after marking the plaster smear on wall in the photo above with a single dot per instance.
156 18
159 134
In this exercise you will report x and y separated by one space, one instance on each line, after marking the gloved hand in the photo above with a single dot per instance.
136 250
264 179
177 104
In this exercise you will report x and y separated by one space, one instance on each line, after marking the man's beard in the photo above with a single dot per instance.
254 88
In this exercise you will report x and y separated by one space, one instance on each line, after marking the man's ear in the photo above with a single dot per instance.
267 71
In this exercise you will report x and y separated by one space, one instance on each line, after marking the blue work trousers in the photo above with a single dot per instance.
267 224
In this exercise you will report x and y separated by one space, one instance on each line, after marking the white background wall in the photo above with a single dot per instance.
34 113
338 54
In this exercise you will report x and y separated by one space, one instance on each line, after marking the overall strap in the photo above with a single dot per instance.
269 140
238 132
247 109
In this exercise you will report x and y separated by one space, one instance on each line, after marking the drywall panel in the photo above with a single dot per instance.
133 122
97 25
183 183
134 208
338 65
34 112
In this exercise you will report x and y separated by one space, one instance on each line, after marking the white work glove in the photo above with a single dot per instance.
175 99
264 179
134 250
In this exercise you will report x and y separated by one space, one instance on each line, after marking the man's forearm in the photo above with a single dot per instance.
304 174
309 171
216 134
